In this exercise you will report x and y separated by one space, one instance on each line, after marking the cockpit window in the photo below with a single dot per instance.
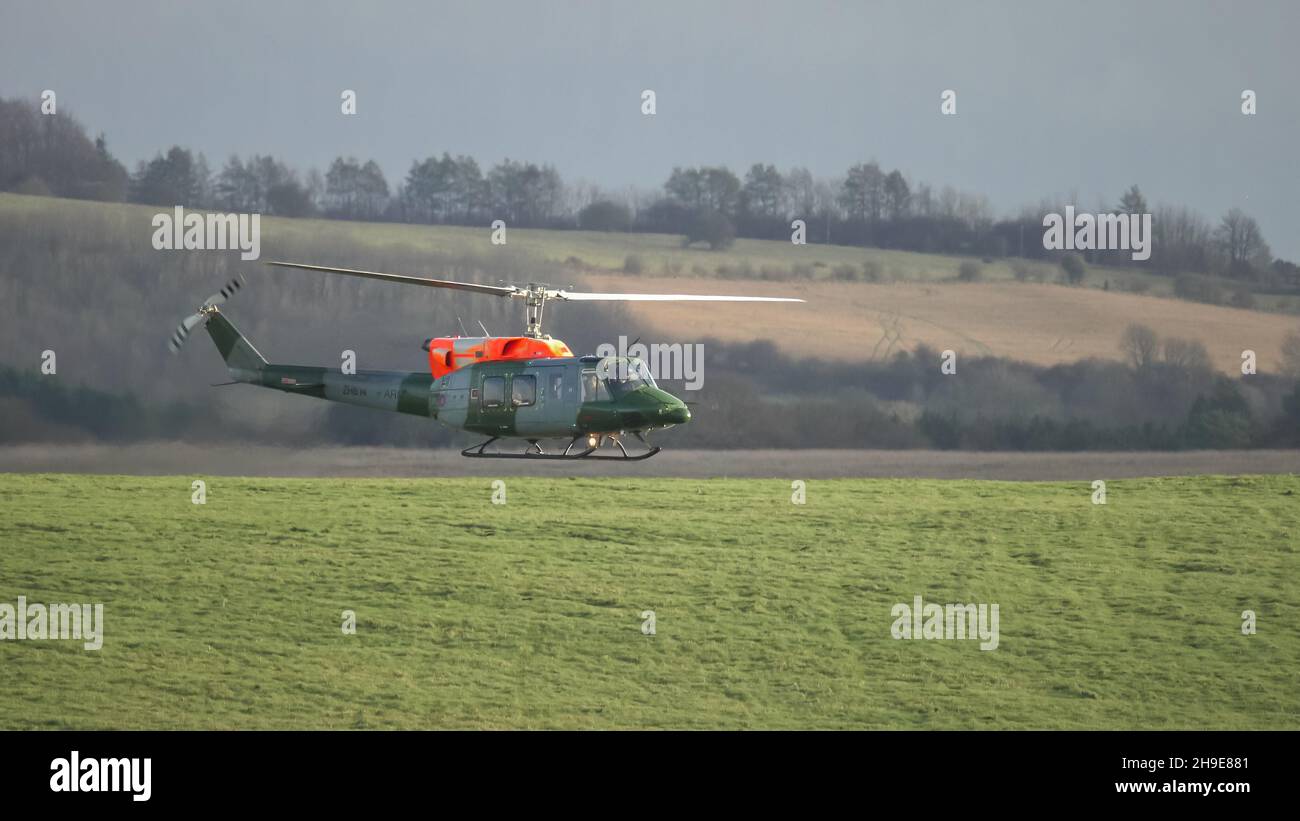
625 374
643 371
623 368
593 388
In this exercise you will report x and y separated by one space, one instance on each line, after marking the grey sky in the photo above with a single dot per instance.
1053 98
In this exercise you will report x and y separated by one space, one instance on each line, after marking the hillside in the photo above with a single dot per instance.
1031 322
918 302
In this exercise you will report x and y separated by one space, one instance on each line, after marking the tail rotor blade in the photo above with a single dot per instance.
183 331
226 292
192 321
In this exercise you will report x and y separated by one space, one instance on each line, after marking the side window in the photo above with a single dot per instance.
523 390
593 388
494 391
557 385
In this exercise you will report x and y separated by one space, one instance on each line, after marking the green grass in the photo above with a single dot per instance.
769 615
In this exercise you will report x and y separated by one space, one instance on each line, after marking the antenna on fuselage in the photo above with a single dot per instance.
462 326
484 327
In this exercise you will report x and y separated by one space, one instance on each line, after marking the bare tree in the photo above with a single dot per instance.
1139 345
1242 243
1187 353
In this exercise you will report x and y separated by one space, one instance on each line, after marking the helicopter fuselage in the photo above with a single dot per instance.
554 397
550 397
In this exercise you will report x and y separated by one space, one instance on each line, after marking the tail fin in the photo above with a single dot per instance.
242 359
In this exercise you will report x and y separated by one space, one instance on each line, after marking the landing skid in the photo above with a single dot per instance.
534 451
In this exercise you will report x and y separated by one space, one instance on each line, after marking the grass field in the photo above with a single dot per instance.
769 615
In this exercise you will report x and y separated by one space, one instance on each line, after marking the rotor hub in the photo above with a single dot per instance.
536 296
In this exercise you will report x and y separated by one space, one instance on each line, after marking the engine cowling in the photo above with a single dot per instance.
447 354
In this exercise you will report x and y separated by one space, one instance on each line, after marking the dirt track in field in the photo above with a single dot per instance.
215 460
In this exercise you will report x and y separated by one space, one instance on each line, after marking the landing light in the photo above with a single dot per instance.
592 441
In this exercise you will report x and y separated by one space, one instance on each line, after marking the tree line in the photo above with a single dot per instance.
1165 397
868 205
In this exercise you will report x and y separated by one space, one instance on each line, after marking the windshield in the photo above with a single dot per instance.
625 374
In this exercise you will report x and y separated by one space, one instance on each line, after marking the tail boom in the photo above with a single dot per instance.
399 391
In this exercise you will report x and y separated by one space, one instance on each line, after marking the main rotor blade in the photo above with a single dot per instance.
582 297
495 290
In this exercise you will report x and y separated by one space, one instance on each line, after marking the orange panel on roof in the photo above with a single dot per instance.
447 354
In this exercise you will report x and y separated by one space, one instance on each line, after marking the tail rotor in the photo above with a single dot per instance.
197 318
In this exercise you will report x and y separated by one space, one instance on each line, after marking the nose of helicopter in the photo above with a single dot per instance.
674 412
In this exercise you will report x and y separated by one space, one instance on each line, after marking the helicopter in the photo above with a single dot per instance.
526 388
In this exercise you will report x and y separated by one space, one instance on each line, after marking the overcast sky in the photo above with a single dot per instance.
1052 98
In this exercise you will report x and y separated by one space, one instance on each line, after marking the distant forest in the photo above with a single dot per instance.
866 206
